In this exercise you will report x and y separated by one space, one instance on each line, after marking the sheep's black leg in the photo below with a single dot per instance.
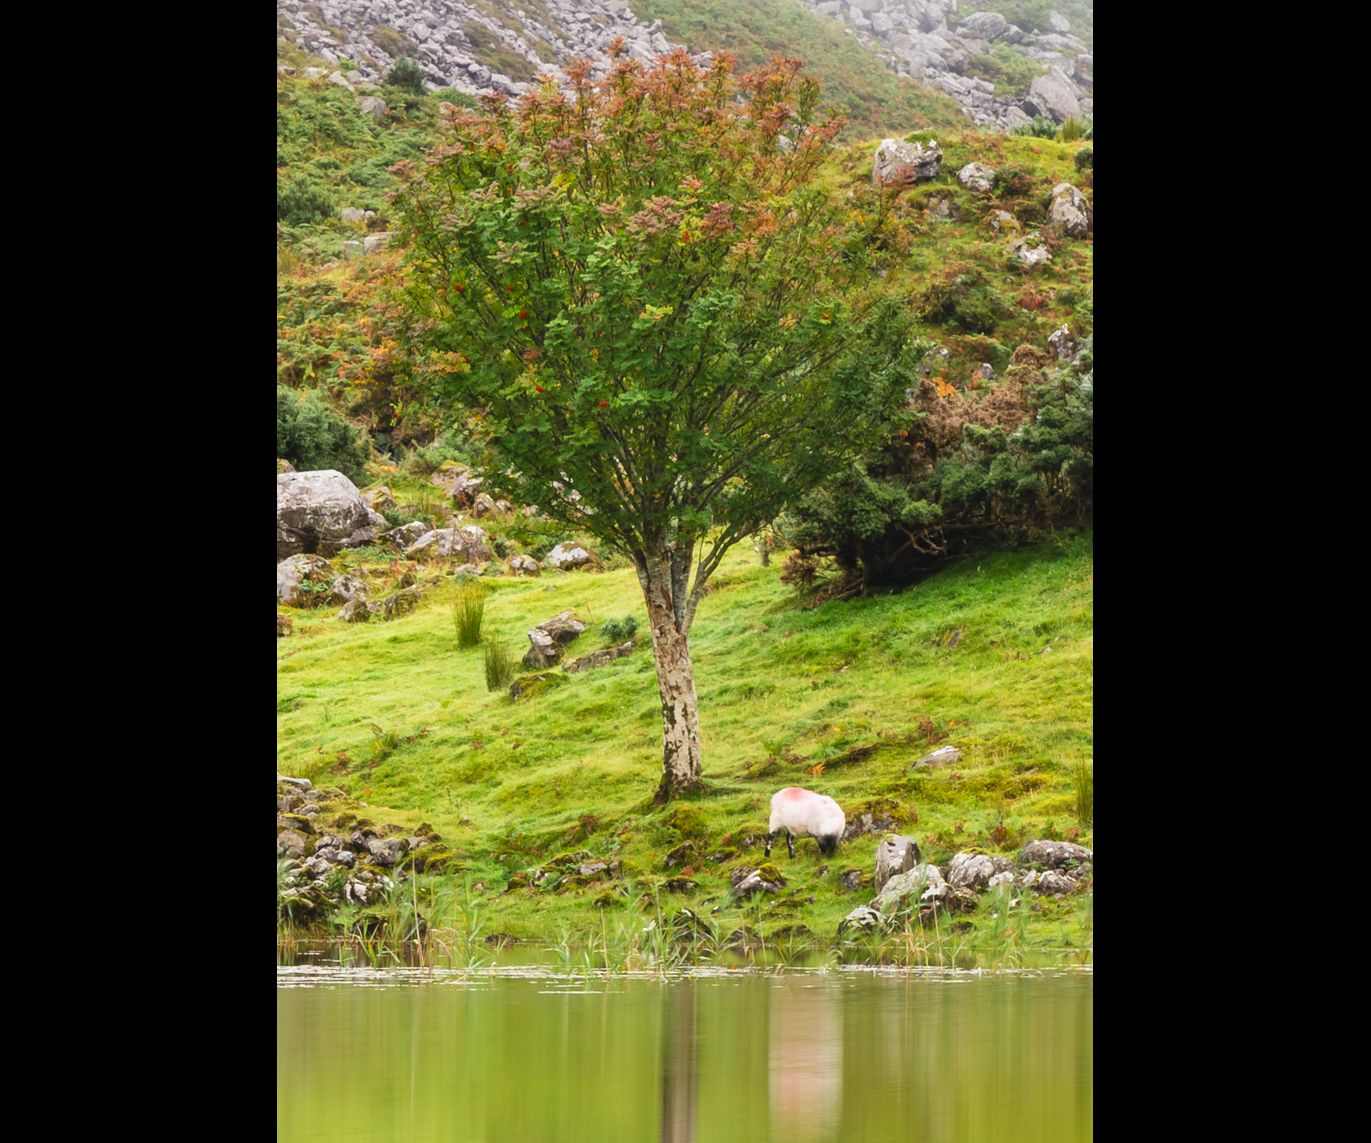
790 844
768 845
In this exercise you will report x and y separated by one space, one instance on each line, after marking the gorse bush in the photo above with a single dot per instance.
499 667
312 436
468 609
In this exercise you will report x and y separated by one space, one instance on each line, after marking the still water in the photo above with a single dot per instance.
508 1056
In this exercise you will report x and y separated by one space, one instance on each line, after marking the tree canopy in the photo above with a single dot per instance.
667 326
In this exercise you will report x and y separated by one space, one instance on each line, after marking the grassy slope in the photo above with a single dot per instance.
783 690
872 97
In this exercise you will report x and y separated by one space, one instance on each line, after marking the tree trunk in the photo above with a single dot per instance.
669 620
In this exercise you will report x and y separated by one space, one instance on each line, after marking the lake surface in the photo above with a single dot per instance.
521 1054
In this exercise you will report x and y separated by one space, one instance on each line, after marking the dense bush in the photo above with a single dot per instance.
312 436
1040 126
301 202
989 468
407 76
619 630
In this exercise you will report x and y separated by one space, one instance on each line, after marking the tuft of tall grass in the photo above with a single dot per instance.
468 609
1084 778
499 667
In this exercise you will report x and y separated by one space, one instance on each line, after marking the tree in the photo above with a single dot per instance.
666 326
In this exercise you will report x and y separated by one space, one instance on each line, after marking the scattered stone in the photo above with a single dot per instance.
922 883
467 544
359 611
976 177
283 625
523 565
974 870
1029 250
1054 883
528 685
863 918
401 603
376 108
1069 212
1063 344
320 512
1005 878
942 209
484 505
457 480
340 80
895 854
347 588
986 25
983 372
406 535
290 843
900 164
549 637
298 783
943 756
1001 221
301 581
1054 854
1053 95
600 658
764 879
568 557
874 819
380 499
680 885
851 880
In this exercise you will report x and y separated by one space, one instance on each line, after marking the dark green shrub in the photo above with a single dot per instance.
299 202
1040 126
619 630
1072 130
407 76
1085 157
312 436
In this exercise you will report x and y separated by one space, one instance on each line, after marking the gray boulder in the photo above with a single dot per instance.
985 25
746 882
862 919
374 107
1054 96
549 637
1063 344
1054 854
374 242
976 177
320 512
568 557
359 611
921 884
895 854
599 658
522 565
347 588
974 870
467 544
943 756
458 482
405 535
1003 221
300 581
401 603
1030 250
901 164
1069 212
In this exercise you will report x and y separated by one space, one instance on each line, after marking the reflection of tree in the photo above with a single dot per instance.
680 1064
806 1061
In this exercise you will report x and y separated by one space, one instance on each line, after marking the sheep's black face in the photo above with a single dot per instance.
828 846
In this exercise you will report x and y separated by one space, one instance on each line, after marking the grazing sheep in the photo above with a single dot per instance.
804 813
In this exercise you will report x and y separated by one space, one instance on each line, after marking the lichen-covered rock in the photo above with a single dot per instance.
298 783
458 482
320 512
919 884
765 878
548 638
290 843
359 611
599 658
1001 221
977 177
862 919
985 25
943 756
1029 250
1055 854
974 870
901 164
895 854
568 557
387 851
1005 878
680 885
523 565
1063 344
875 816
851 880
528 685
484 505
1069 212
375 108
401 603
1054 884
405 535
467 544
347 588
942 208
303 581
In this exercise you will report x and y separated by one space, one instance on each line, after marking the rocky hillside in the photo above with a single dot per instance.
1001 61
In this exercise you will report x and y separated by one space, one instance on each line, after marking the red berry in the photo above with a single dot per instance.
604 404
523 313
539 388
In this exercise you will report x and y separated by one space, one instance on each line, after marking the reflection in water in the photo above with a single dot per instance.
806 1061
680 1064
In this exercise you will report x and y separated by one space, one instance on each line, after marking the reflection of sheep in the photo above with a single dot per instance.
803 813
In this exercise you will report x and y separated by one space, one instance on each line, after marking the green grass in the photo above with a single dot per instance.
832 697
855 80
